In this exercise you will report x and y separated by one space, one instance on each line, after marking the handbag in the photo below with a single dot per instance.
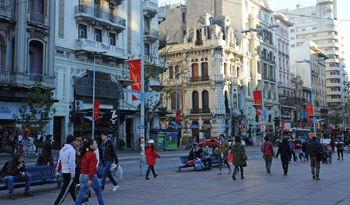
244 156
230 158
244 163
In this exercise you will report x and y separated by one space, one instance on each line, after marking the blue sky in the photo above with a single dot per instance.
344 6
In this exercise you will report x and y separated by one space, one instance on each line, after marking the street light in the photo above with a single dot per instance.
312 91
260 30
93 92
176 76
281 113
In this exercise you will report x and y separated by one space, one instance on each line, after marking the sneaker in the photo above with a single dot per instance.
27 194
233 177
318 178
268 171
313 177
338 158
155 175
11 197
219 172
115 188
242 177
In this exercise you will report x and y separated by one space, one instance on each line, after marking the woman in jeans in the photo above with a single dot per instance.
223 148
88 172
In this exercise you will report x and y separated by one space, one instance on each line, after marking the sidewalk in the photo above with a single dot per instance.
206 187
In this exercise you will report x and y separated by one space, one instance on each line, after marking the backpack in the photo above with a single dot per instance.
268 146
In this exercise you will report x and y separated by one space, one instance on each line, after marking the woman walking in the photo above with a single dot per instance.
151 155
223 153
88 175
236 151
286 153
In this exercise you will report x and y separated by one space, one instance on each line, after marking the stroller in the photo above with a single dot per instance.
327 155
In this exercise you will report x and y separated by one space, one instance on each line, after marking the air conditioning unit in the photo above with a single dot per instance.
78 105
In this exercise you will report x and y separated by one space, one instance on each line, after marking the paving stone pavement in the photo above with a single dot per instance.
207 187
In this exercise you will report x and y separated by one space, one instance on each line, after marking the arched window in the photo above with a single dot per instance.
205 69
35 60
195 73
2 52
195 101
205 101
171 72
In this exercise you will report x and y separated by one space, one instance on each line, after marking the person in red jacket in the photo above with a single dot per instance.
267 149
151 155
88 170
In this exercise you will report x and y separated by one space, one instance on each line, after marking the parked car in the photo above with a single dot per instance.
209 142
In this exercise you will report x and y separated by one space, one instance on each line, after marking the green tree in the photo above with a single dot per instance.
36 108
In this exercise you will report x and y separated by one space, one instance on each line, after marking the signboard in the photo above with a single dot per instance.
258 100
262 127
309 111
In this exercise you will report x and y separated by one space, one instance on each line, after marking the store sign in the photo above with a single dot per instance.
8 109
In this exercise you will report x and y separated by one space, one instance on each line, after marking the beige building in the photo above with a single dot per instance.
190 27
320 24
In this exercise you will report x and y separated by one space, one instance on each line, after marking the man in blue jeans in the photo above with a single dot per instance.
16 169
108 155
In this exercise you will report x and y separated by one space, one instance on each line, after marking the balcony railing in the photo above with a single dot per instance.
198 42
89 45
151 32
5 11
269 78
99 14
150 8
199 78
4 77
198 110
37 17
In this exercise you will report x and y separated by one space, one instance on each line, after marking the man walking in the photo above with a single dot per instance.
314 150
47 153
267 149
15 168
66 164
340 148
108 155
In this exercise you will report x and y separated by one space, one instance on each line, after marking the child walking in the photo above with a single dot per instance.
151 155
88 175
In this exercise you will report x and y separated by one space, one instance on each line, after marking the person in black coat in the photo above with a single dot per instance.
286 154
315 151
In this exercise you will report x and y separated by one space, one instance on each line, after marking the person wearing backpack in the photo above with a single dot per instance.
267 150
315 151
13 168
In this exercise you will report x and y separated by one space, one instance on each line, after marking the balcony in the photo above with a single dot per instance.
333 84
334 93
105 19
332 53
5 12
315 73
36 17
333 76
199 78
199 111
332 60
93 46
198 42
4 77
339 100
161 15
103 89
150 8
268 78
150 35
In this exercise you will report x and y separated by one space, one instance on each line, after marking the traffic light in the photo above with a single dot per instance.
341 129
241 128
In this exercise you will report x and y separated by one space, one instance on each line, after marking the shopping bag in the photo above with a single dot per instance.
117 172
87 195
198 165
230 158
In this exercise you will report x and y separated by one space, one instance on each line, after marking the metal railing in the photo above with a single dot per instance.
93 45
199 110
37 17
269 78
98 13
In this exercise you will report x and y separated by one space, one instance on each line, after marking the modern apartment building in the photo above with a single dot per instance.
100 35
27 35
321 24
242 15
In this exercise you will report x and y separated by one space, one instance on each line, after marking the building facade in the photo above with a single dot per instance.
27 38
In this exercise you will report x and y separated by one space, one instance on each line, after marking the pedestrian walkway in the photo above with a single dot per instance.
206 187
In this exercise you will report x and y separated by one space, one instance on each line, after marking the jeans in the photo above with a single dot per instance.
315 164
268 162
150 167
304 156
107 173
340 152
225 161
236 169
9 180
83 179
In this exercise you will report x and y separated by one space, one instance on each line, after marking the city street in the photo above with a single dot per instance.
206 187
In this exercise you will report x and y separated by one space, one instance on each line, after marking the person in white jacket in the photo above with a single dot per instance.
66 165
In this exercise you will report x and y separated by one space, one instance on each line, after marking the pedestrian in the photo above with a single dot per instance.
78 145
340 148
315 151
285 152
108 155
237 160
47 151
303 148
292 149
66 165
298 147
347 144
268 153
332 143
16 168
223 153
151 155
88 171
38 143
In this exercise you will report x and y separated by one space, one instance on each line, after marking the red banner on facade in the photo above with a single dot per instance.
258 100
96 110
178 116
282 125
330 130
309 112
135 75
302 126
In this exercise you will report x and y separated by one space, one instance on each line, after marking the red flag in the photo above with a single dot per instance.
258 100
302 126
282 125
330 130
96 110
135 75
178 115
309 112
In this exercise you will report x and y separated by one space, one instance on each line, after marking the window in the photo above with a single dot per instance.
292 30
195 101
314 28
112 39
171 72
2 52
205 101
98 35
303 29
303 37
35 60
293 38
176 71
36 6
315 35
313 13
330 25
205 69
329 10
184 17
173 102
293 45
195 73
330 33
82 31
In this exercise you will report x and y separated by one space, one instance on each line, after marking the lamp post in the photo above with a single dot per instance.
312 91
281 114
176 76
259 31
93 93
256 106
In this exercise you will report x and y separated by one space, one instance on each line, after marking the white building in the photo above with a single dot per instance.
321 24
84 29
